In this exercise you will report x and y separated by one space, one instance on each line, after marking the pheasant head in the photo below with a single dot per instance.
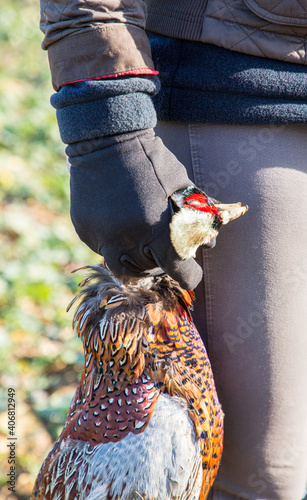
197 220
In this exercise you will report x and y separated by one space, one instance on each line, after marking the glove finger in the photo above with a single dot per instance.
187 272
154 262
137 267
131 268
160 256
127 266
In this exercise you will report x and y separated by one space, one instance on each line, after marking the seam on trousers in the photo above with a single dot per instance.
198 171
208 300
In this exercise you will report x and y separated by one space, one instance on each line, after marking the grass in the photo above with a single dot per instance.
40 356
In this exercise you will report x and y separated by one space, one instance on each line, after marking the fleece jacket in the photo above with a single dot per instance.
200 83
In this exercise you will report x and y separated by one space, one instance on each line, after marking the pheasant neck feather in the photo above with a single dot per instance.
139 341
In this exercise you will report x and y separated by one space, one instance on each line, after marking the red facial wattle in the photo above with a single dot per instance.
200 203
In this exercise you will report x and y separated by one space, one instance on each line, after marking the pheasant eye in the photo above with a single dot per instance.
196 201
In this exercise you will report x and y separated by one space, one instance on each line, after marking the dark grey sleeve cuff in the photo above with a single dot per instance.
92 109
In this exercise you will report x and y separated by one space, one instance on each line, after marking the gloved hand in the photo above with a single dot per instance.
120 206
122 176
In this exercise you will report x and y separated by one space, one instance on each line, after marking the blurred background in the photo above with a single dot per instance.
40 355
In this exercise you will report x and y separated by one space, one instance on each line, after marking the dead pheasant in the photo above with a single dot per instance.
145 422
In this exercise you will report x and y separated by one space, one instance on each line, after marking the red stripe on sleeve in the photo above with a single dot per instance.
133 72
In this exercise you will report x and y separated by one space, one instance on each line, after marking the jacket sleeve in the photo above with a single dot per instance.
94 38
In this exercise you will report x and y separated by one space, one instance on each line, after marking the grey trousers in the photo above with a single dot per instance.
251 307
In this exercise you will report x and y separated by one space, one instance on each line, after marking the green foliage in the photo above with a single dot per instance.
40 355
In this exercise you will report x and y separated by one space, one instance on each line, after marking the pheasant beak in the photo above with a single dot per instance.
231 211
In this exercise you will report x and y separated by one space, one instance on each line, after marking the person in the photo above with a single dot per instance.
230 97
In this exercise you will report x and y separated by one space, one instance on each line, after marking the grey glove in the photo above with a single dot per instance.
120 204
